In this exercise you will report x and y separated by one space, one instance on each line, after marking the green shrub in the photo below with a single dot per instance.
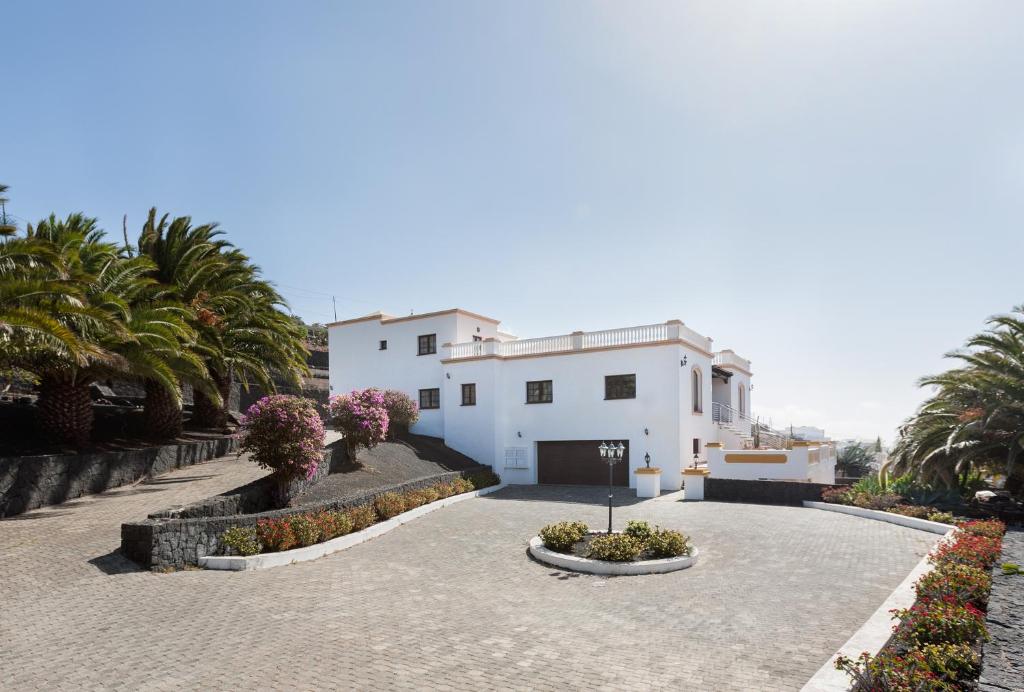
414 498
305 530
940 622
989 528
389 505
962 583
914 511
483 479
444 490
639 530
664 543
836 495
942 517
332 524
932 668
241 539
883 501
275 534
361 516
616 547
561 537
462 485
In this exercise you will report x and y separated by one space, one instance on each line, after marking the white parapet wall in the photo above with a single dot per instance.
815 463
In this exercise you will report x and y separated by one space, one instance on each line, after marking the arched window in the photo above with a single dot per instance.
742 400
697 390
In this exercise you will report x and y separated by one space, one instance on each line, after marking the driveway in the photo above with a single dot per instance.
449 601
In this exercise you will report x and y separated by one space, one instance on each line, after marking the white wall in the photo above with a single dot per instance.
802 464
578 411
356 360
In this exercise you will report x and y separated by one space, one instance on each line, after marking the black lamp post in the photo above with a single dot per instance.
612 454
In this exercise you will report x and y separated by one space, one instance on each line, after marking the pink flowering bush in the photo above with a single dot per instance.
284 434
362 417
402 410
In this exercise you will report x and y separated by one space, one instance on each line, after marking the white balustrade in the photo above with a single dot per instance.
579 341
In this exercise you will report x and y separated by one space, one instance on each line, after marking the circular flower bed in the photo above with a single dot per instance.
640 549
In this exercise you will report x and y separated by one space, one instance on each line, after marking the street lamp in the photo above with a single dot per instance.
611 454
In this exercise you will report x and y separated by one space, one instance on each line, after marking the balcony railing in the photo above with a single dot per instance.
730 358
581 341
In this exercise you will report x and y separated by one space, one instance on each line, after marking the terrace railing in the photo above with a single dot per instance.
581 341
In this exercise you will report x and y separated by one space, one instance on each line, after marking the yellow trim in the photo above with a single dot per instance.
756 458
696 472
713 444
645 471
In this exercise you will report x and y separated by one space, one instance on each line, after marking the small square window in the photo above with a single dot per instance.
539 392
430 398
620 387
469 394
427 344
383 344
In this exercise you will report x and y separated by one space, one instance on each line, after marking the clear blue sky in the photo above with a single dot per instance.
833 189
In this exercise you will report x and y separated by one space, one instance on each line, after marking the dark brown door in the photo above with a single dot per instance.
577 462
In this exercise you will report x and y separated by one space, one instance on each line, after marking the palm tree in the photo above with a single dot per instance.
241 332
975 419
130 328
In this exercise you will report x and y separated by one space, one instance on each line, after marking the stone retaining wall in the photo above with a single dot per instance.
257 496
28 482
762 492
1003 663
163 543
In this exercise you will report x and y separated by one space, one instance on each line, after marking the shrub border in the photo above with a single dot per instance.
238 563
880 515
588 566
876 631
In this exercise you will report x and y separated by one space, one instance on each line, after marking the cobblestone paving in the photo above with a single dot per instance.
449 601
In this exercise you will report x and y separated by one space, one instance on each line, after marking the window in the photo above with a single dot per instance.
696 446
742 400
620 386
539 392
383 344
477 337
698 391
430 398
469 394
428 344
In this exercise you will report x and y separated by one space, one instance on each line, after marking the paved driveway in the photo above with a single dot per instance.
450 601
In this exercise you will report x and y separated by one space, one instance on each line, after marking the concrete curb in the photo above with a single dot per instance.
582 564
909 522
314 552
877 630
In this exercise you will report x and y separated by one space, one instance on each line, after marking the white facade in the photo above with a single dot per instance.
686 395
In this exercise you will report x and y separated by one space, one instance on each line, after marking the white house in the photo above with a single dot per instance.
536 409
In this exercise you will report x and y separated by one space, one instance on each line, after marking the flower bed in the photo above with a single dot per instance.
640 549
884 502
936 642
309 528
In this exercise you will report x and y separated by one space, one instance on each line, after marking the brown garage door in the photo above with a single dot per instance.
576 462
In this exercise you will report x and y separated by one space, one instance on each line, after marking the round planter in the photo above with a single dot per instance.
583 564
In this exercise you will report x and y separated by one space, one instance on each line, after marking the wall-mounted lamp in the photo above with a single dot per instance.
646 431
448 375
647 459
682 363
478 330
519 434
751 387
